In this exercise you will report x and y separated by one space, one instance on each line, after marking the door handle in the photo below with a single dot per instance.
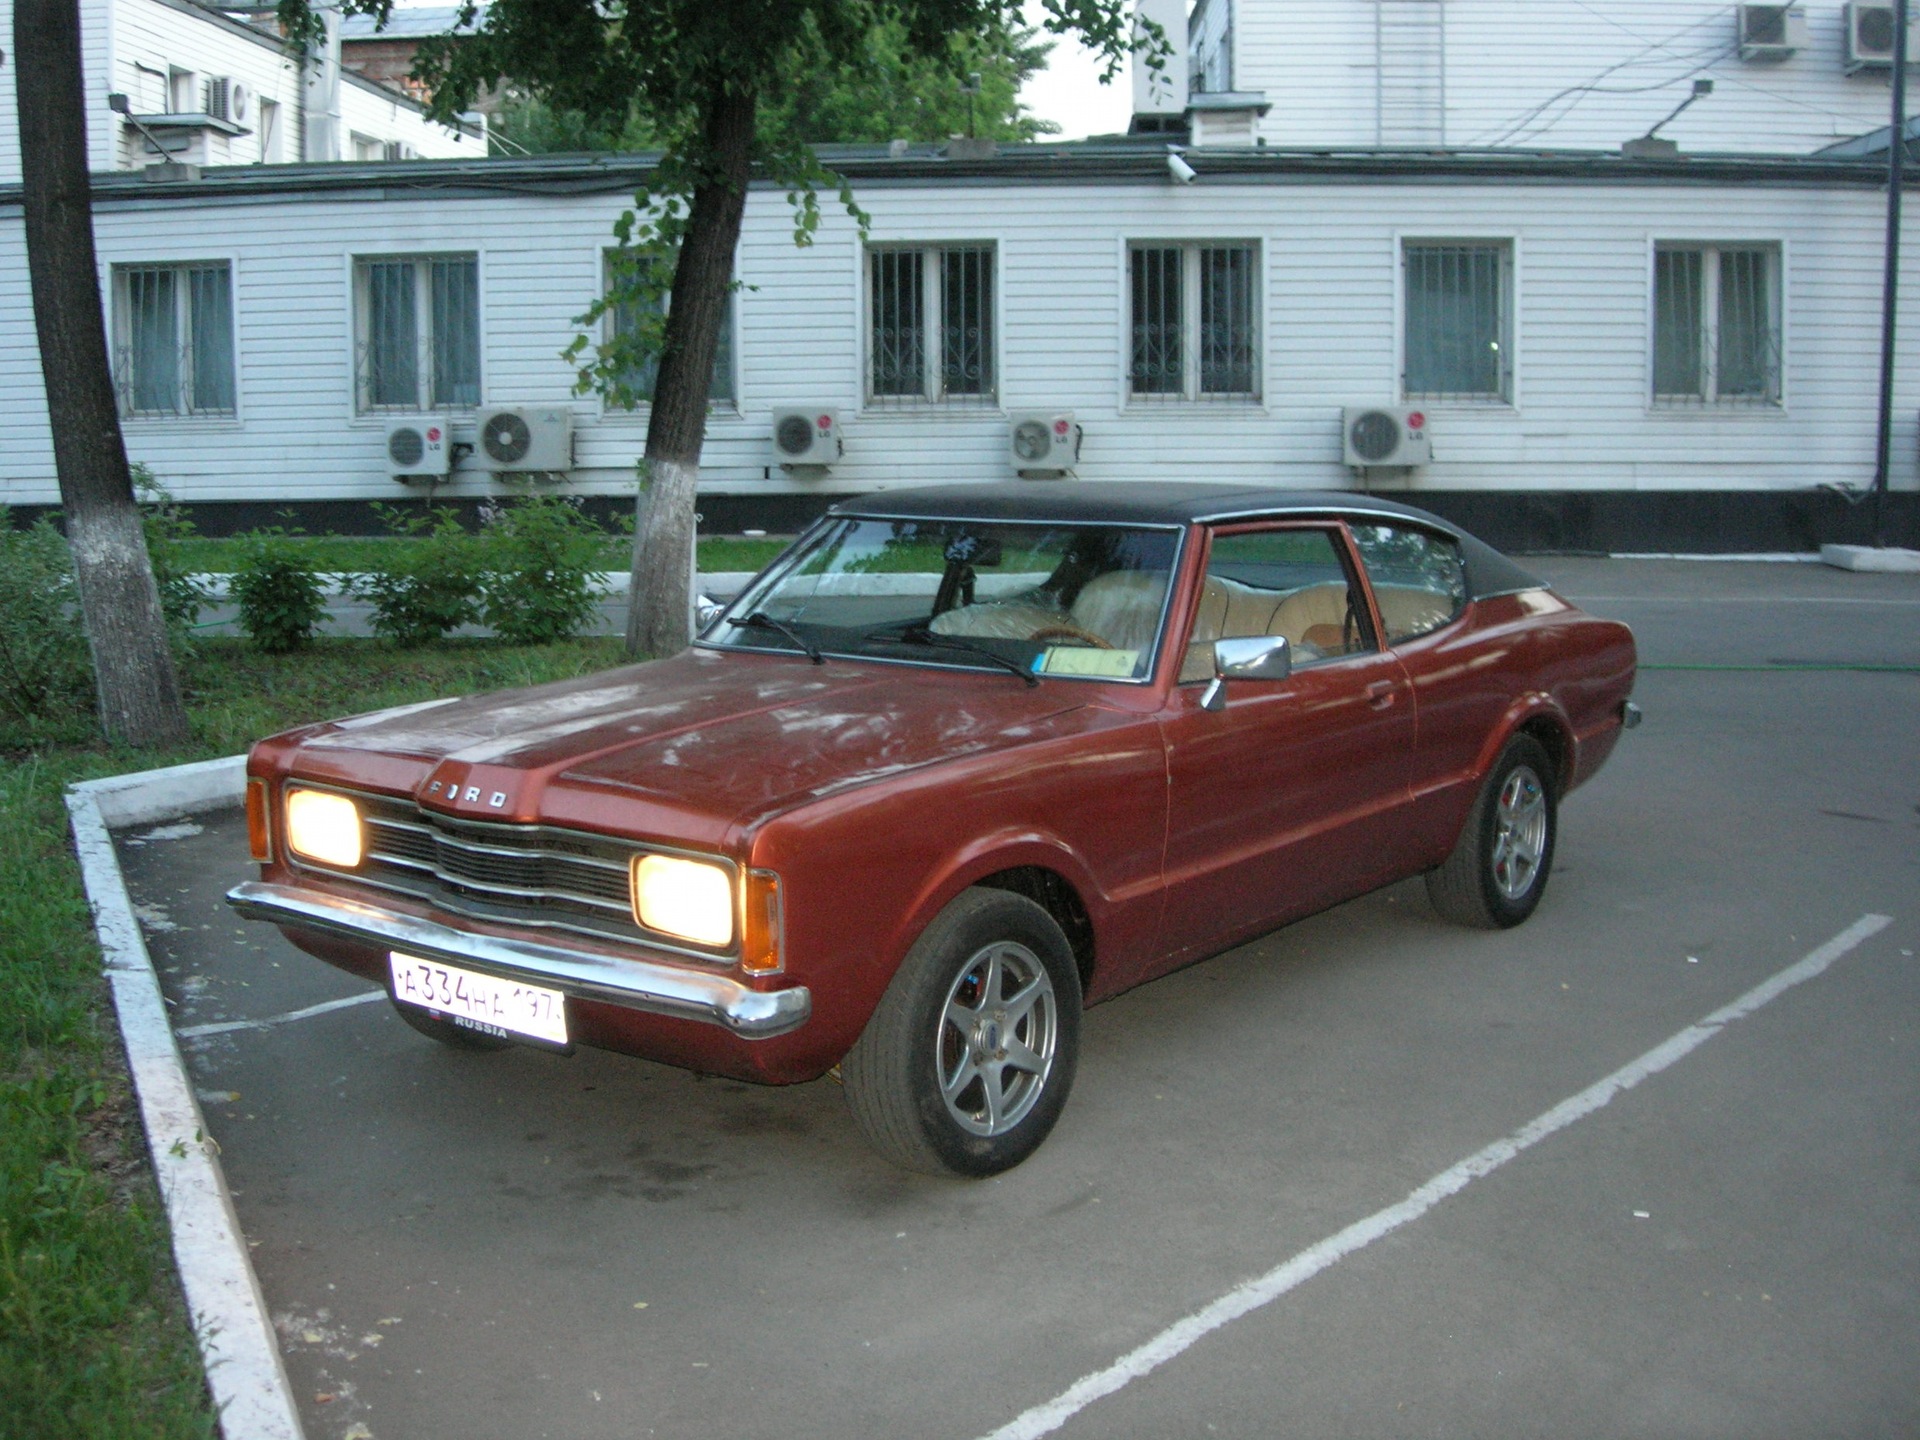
1380 694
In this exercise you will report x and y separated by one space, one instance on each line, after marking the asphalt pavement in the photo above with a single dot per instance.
521 1245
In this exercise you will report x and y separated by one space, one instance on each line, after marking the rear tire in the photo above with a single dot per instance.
454 1037
1494 878
966 1062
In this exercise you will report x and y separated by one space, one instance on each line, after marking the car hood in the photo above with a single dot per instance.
703 743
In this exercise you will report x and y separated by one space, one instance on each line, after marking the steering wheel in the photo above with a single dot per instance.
1070 632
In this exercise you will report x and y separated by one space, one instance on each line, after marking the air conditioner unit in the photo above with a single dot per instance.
526 438
1047 443
1869 31
398 150
418 447
1378 435
806 436
1771 32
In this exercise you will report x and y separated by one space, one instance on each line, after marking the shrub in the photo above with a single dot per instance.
541 555
426 587
278 589
182 594
45 668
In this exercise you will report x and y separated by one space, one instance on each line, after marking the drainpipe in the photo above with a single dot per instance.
1896 157
320 93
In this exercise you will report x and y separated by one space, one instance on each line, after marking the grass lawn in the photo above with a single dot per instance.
360 553
94 1340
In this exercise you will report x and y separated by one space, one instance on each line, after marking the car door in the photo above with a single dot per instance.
1292 796
1461 687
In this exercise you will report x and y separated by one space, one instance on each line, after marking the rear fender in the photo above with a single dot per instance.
1528 711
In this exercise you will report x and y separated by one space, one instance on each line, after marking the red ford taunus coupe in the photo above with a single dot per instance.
957 764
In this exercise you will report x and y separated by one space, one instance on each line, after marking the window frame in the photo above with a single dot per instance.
1775 250
729 351
933 392
1508 245
1192 292
358 271
120 331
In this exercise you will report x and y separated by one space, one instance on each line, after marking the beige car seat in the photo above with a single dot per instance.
1122 607
1410 610
1000 620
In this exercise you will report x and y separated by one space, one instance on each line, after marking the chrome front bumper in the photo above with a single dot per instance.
637 984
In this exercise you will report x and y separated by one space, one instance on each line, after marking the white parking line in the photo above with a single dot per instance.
223 1027
1251 1295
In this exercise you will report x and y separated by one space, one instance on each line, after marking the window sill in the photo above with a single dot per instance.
1245 404
642 413
180 422
963 405
1717 409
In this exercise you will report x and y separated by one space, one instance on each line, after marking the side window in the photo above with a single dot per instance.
1418 578
1278 582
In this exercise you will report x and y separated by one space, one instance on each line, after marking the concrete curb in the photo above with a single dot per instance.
237 1342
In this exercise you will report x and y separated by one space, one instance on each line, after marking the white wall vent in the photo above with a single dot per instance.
1378 435
1869 35
806 436
1770 33
526 438
1043 443
418 446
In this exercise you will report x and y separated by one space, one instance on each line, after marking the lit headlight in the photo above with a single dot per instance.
323 827
690 899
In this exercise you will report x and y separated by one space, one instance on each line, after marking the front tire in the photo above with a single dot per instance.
966 1062
1494 878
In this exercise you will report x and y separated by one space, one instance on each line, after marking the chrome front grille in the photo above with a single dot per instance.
521 874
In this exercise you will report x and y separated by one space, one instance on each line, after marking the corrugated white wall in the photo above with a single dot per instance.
1557 74
1580 420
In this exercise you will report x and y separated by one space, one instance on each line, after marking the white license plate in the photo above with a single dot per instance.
486 1004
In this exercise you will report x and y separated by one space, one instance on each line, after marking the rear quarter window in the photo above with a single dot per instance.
1419 578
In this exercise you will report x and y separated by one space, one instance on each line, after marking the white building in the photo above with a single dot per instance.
1475 74
202 87
1604 351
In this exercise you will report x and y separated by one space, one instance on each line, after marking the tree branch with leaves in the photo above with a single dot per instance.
723 88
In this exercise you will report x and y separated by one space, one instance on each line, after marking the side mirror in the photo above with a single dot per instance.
706 610
1251 657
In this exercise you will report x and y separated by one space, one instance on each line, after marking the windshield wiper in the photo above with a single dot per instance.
760 620
921 634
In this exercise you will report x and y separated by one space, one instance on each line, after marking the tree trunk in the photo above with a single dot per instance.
659 620
132 666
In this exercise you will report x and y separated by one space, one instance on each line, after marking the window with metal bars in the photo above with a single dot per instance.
633 317
1458 333
416 332
1716 325
930 325
1193 322
173 339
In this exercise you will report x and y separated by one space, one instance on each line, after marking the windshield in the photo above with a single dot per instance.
1044 599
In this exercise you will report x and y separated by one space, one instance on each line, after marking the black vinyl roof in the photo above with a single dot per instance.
1122 502
1174 503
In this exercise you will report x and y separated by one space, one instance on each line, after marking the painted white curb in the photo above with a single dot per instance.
1889 560
237 1342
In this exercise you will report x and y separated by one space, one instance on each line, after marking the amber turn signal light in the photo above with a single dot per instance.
259 828
760 950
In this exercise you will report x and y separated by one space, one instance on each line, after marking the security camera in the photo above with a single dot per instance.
1182 172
